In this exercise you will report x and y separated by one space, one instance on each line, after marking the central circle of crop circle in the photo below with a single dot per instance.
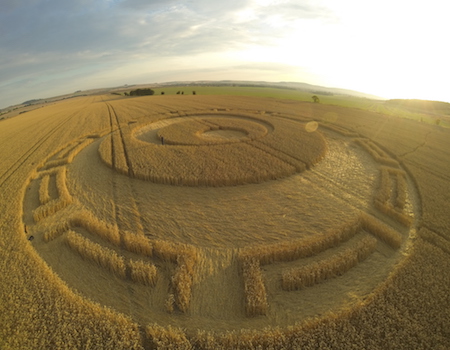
213 150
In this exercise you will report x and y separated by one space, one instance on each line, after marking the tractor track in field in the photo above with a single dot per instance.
113 118
113 114
113 162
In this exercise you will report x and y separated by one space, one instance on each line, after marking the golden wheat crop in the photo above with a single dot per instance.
143 272
170 338
308 275
105 151
90 223
255 291
192 160
102 256
339 130
63 200
56 230
78 148
185 258
376 152
293 250
400 199
183 133
391 195
40 311
67 154
44 196
137 243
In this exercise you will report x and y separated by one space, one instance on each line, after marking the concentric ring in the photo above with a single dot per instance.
181 151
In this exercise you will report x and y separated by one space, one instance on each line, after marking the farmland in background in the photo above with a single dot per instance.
131 257
423 111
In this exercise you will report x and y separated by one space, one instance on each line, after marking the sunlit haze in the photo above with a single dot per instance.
393 49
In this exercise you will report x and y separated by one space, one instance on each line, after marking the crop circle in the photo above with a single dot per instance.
224 247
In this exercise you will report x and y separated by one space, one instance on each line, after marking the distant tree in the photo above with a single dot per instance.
437 121
182 92
194 93
162 92
141 92
178 92
315 99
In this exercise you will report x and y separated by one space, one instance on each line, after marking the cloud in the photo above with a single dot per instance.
58 41
81 41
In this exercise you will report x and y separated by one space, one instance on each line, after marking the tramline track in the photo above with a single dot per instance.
21 160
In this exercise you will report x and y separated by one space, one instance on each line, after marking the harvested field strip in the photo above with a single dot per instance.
381 231
94 252
90 223
143 272
106 152
66 150
120 161
376 152
136 243
392 188
132 242
55 163
111 151
52 171
78 148
297 164
339 130
56 231
69 154
50 208
119 143
391 195
384 189
254 288
336 265
185 257
182 285
63 200
252 258
394 213
290 251
44 195
400 199
62 153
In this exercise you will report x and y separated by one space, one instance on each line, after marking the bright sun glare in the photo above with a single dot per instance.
382 49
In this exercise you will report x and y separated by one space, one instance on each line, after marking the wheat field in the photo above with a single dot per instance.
212 222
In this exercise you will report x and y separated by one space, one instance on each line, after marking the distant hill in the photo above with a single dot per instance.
315 89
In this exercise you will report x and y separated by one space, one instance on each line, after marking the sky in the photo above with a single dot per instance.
389 48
